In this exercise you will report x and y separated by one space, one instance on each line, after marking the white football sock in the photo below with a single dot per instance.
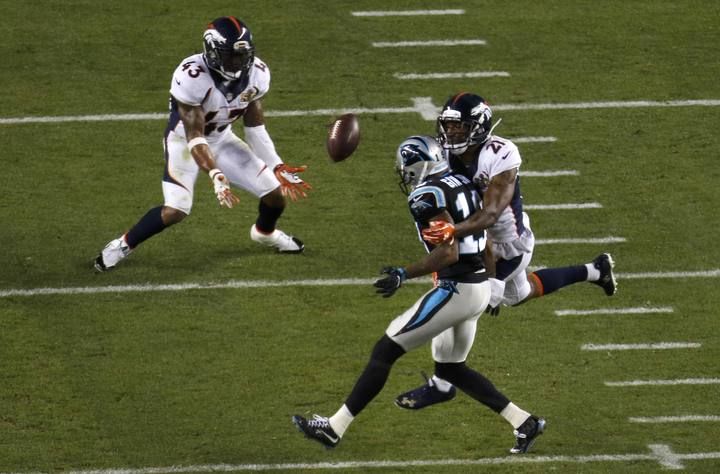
593 273
441 384
514 415
340 421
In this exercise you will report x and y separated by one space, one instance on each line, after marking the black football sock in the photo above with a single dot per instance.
376 373
552 279
267 217
473 383
150 224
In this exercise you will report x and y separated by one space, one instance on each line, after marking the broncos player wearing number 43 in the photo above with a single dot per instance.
447 314
209 91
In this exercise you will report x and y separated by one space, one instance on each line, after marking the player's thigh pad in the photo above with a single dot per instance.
437 310
243 168
181 172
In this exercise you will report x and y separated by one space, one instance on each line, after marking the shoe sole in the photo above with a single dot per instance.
99 265
612 290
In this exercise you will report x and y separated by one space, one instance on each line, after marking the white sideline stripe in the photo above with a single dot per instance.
548 174
638 383
659 453
650 346
411 44
422 105
241 284
639 310
450 75
410 12
673 419
600 240
562 207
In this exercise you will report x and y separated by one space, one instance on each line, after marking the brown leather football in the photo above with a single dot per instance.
343 137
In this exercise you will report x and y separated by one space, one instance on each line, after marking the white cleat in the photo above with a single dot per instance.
280 240
111 255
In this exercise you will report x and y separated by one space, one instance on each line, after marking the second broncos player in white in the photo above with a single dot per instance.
493 163
208 92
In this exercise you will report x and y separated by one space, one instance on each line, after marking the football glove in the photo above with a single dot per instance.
389 285
291 185
497 293
222 188
439 232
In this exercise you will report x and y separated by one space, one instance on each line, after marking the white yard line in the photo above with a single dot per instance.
450 75
409 13
589 312
659 453
673 419
600 240
548 174
426 43
644 346
639 383
647 276
562 207
533 139
243 284
421 105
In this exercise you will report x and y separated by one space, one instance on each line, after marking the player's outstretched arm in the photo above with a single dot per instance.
256 135
495 199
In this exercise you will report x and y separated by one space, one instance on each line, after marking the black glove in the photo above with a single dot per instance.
493 310
388 286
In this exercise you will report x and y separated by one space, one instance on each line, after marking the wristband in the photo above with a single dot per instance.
195 142
214 172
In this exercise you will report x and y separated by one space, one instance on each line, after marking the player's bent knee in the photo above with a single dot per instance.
274 198
172 216
386 351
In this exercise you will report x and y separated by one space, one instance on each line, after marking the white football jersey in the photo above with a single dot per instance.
497 156
193 84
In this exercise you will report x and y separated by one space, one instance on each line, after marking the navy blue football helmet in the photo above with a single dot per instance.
228 48
417 158
465 120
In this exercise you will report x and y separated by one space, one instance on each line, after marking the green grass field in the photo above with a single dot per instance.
207 379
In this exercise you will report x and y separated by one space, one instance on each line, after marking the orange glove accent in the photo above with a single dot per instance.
291 185
439 232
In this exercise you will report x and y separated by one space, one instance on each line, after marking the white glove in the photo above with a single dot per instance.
222 188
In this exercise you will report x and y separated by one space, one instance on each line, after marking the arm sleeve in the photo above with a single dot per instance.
263 146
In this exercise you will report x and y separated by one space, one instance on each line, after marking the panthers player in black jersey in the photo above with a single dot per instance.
446 315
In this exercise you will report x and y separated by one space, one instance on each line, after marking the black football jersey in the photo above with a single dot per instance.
455 194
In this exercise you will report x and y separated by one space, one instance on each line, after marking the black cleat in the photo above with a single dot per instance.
605 264
318 429
424 396
526 434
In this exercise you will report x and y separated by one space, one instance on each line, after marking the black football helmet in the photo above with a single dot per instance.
465 120
228 48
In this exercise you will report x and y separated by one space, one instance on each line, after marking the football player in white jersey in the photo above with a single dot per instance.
208 92
446 315
493 163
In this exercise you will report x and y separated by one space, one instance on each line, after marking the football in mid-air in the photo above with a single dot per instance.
343 137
